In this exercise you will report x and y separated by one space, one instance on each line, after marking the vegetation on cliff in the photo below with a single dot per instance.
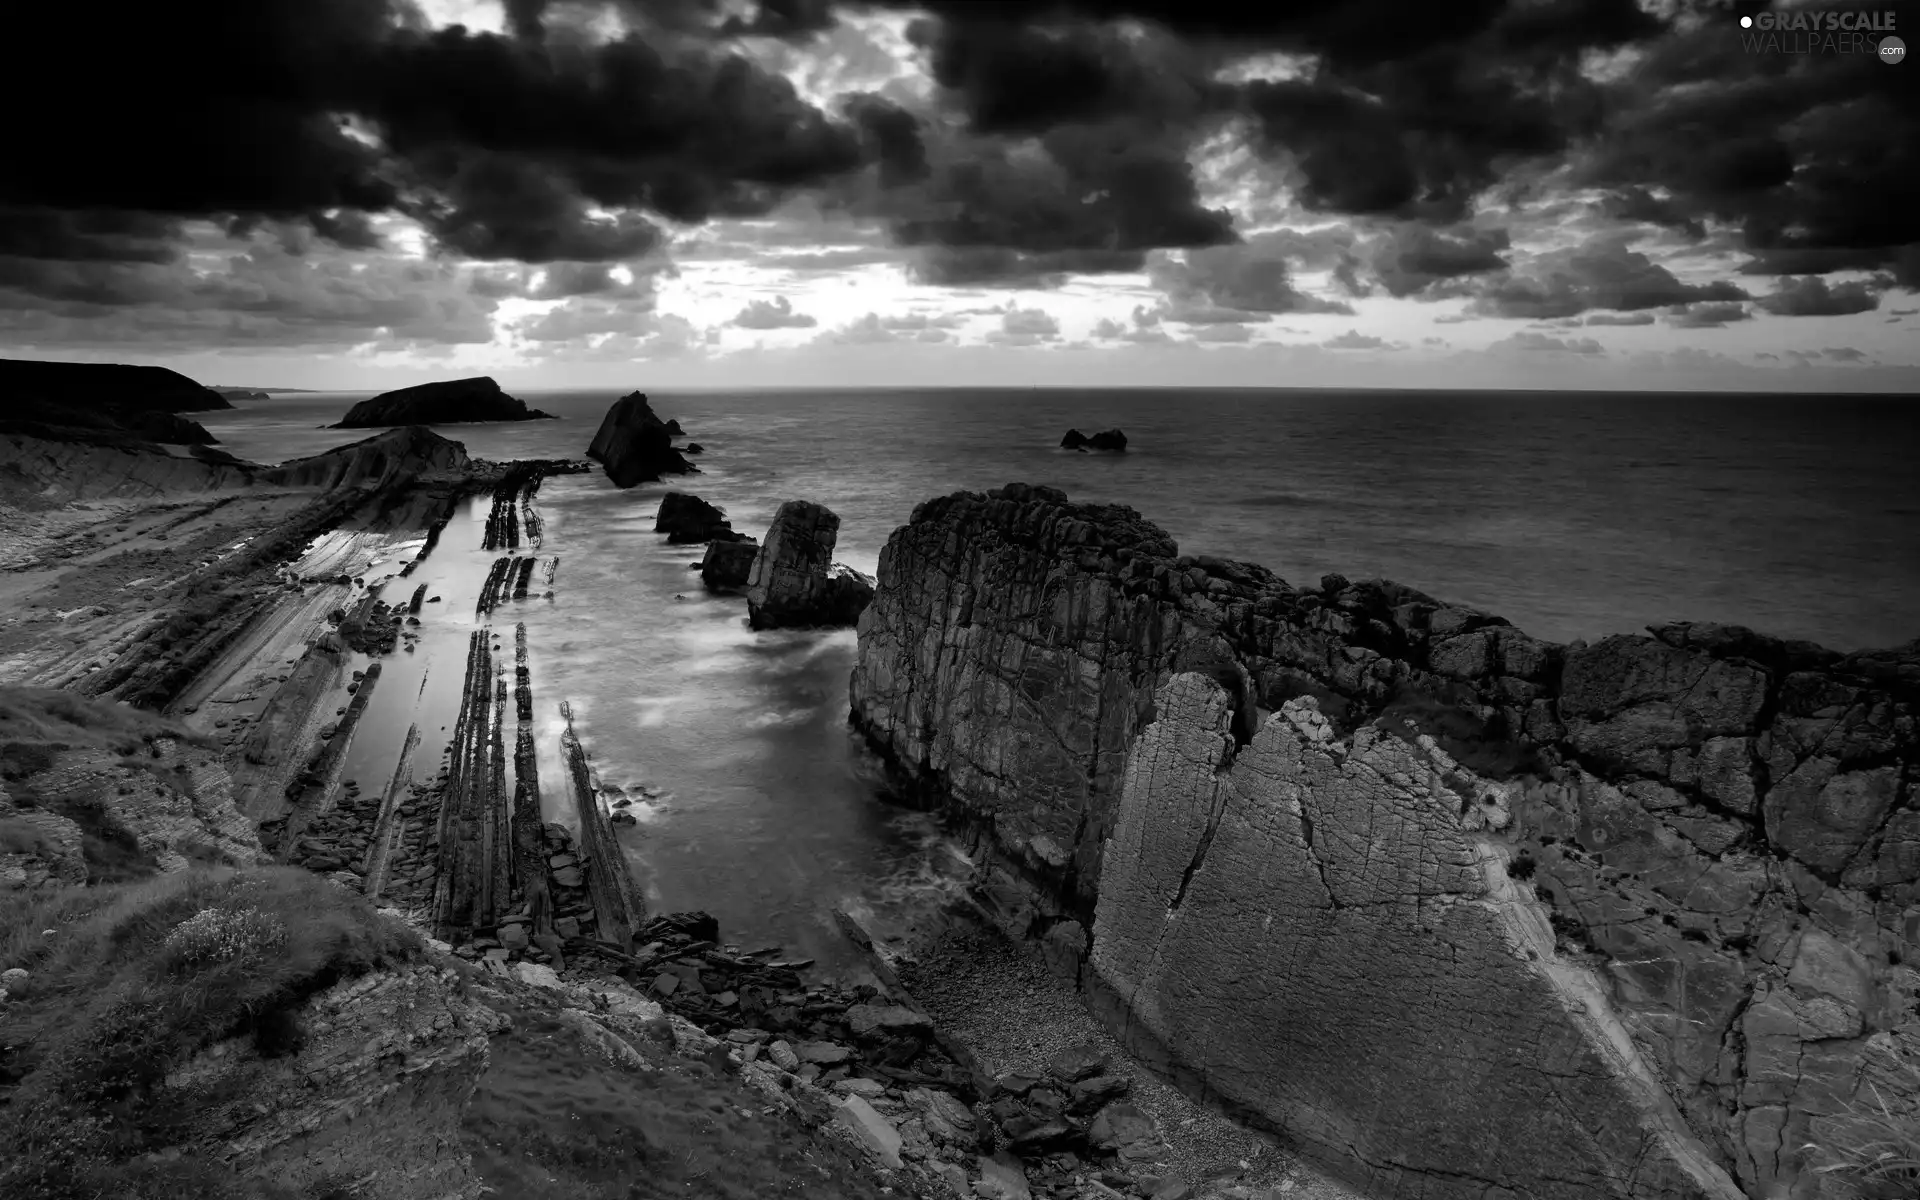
130 981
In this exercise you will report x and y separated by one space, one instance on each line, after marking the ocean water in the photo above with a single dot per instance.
1574 516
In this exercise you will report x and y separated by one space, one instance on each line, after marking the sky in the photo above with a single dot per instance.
349 194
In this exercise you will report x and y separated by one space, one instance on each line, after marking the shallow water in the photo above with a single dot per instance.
1573 516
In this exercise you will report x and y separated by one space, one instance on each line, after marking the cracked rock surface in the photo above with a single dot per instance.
1475 911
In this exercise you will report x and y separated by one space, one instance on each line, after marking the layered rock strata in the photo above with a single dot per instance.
795 582
1456 898
635 446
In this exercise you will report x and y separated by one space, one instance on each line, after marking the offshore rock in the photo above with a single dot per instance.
445 402
1652 901
727 566
687 520
1112 440
795 582
635 445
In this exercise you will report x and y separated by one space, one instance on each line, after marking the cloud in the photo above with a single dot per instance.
1025 327
1412 258
1528 342
1811 296
1604 273
776 313
1845 353
1210 285
1607 318
874 329
1706 316
1222 334
1354 340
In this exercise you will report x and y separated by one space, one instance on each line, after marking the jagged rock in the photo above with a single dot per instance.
795 582
1611 853
1076 1063
634 445
1111 439
728 566
444 402
687 519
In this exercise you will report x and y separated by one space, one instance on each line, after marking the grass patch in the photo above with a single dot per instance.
1877 1150
137 978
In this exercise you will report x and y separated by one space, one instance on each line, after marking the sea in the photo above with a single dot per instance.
1573 515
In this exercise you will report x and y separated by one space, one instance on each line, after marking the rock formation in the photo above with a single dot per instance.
689 520
445 402
728 566
795 582
1111 439
635 445
399 455
1460 908
92 386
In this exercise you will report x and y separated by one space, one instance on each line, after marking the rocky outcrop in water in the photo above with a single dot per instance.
689 520
1111 439
1457 907
446 402
635 445
728 566
795 582
96 386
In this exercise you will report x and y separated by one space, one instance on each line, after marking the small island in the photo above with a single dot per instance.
447 402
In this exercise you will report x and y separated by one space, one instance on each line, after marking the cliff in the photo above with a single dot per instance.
445 402
1459 908
399 455
98 385
635 445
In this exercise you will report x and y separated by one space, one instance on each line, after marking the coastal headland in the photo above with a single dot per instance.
1443 909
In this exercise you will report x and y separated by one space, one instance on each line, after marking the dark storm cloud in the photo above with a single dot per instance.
1605 274
502 146
1814 158
1811 296
1415 257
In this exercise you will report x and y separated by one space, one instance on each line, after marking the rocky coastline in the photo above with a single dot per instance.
1650 901
1259 871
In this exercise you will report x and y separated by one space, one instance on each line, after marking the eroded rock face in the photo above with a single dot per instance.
635 445
795 582
376 1093
1686 813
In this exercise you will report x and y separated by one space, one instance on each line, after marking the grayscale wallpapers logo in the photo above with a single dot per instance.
1826 32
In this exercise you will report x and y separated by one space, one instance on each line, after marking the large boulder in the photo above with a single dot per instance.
1342 848
635 445
444 402
688 520
728 566
795 582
